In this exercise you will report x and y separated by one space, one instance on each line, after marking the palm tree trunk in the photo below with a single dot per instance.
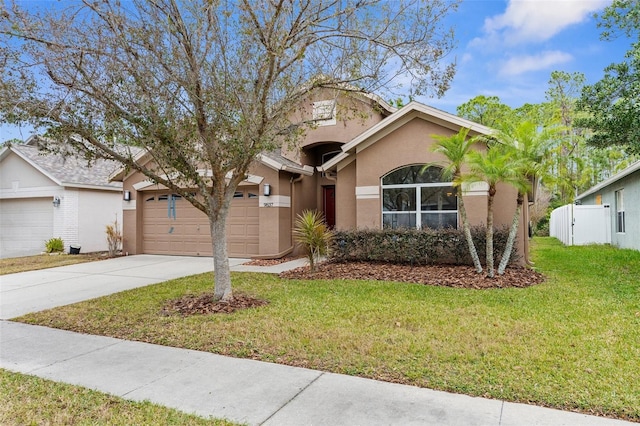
467 233
512 237
489 234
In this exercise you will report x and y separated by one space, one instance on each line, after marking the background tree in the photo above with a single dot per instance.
485 110
204 87
613 103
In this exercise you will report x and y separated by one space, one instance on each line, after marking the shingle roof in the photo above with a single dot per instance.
69 171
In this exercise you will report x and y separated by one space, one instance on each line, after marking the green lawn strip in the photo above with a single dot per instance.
571 343
32 400
44 261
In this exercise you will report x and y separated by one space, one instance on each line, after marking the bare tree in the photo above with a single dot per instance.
204 86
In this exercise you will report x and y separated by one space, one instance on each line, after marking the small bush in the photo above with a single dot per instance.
54 245
114 238
413 246
312 232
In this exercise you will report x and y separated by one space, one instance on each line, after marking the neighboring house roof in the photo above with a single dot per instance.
613 179
394 121
67 171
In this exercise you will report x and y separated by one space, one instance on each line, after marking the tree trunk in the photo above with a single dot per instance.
467 233
512 237
222 274
489 234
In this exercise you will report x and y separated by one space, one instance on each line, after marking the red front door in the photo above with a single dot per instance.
329 205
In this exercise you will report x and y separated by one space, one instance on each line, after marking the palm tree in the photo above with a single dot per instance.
497 165
528 146
456 149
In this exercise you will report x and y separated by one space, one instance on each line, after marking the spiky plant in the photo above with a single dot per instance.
312 232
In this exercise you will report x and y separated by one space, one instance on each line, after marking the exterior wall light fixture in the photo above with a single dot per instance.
266 190
56 201
126 195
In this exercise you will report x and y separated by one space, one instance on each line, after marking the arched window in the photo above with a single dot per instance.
417 197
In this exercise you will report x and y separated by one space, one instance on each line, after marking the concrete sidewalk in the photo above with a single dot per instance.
241 390
252 392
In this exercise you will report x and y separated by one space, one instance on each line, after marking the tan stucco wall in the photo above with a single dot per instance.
346 197
355 114
407 145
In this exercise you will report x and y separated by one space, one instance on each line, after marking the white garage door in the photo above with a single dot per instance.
25 225
171 225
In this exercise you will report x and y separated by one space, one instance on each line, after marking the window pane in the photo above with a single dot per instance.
620 222
413 174
399 220
399 199
238 194
438 198
439 220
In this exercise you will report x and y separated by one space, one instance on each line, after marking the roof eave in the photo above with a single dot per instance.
613 179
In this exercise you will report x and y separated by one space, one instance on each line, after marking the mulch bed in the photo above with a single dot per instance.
440 275
204 304
271 262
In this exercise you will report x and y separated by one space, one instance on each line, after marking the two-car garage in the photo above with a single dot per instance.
172 226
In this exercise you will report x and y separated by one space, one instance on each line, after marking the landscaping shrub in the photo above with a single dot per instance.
114 238
413 246
312 232
54 245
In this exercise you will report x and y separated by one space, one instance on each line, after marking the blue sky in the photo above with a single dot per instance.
508 48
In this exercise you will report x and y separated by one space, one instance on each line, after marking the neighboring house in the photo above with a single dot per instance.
45 196
621 193
361 172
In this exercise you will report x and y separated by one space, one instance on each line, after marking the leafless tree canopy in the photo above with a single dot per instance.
204 86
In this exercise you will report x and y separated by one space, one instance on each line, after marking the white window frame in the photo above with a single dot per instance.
324 112
418 201
620 219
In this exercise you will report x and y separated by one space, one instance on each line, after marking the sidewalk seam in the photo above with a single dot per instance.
322 373
501 410
77 356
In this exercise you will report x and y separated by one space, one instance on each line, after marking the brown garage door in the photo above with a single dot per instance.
171 225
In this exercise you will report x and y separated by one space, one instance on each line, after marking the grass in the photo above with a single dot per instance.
44 261
31 400
571 343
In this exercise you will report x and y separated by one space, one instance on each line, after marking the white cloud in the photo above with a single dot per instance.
525 63
537 20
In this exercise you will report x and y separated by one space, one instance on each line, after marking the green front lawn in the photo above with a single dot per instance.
29 400
570 343
44 261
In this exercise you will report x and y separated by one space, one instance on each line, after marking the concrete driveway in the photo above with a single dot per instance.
35 291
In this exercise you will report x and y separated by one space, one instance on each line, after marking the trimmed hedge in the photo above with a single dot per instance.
413 246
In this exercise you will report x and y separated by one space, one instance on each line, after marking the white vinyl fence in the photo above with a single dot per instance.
581 225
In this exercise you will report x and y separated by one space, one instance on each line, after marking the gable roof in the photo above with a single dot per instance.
68 171
396 120
613 179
